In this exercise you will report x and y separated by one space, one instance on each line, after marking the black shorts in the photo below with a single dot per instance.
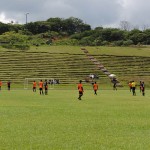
80 92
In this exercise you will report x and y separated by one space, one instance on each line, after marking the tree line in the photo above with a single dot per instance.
70 31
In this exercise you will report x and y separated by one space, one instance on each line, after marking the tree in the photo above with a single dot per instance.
37 27
106 34
125 25
87 41
74 25
3 28
137 36
117 35
56 24
147 32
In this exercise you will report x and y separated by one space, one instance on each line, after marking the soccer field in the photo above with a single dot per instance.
112 120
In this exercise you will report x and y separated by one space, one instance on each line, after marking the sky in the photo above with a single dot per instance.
106 13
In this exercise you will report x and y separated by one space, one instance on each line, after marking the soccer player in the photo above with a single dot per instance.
95 88
115 86
46 87
34 86
133 88
143 88
114 83
8 85
41 87
0 84
80 89
130 86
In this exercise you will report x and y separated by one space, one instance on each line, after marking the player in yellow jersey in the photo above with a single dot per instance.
133 88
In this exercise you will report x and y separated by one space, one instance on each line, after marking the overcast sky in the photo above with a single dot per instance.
106 13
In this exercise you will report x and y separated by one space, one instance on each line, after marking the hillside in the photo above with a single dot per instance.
69 64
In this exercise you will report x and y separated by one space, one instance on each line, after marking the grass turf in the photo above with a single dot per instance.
113 120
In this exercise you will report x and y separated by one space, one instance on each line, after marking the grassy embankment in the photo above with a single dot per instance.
69 64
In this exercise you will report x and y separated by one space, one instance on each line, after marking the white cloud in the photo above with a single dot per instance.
136 11
3 18
93 12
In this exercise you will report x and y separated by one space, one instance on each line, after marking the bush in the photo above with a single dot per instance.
105 43
97 42
17 46
38 41
118 43
128 42
7 46
22 46
87 41
71 42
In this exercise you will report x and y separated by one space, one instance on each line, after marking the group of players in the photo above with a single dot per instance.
132 86
8 85
80 89
42 85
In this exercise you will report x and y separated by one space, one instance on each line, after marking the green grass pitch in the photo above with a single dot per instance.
112 120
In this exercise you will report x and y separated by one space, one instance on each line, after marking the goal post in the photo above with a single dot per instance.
28 82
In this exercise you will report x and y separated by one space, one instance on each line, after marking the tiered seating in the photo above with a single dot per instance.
126 66
68 66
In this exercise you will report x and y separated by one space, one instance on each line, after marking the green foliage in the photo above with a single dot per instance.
13 37
118 43
3 28
87 41
128 43
14 40
147 41
117 35
22 46
138 37
54 29
17 46
122 43
105 43
98 42
70 26
74 25
38 27
71 42
106 35
101 36
37 41
81 35
9 27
